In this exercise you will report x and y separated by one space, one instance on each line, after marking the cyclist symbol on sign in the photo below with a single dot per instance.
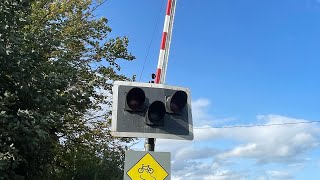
146 172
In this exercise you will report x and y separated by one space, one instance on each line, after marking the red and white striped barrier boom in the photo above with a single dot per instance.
165 43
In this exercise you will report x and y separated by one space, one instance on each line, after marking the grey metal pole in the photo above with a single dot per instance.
149 144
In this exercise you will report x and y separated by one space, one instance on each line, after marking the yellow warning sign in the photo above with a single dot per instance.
147 168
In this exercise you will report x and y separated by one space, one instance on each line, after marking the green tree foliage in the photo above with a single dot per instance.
57 66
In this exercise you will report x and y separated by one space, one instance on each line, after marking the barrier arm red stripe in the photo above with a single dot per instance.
169 7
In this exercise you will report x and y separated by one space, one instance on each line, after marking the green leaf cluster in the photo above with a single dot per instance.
57 66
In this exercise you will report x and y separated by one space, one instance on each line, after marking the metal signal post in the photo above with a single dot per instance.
163 56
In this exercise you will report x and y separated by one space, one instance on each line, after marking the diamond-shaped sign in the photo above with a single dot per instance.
147 168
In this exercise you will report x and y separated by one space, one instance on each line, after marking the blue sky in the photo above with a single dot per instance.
246 62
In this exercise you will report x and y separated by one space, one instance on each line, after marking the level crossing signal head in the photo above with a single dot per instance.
135 99
177 102
151 110
155 114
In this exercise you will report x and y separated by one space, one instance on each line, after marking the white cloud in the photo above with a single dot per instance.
206 171
198 108
267 143
194 153
261 178
240 151
279 174
201 116
200 103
